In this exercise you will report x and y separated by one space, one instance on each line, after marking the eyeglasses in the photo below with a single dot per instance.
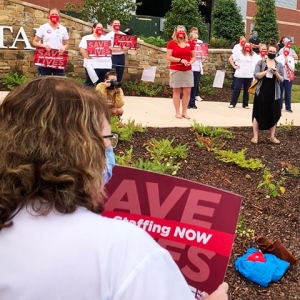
114 138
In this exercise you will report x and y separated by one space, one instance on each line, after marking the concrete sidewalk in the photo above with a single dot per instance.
159 112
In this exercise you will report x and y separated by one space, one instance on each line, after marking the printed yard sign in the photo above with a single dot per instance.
196 223
201 50
50 59
128 41
98 48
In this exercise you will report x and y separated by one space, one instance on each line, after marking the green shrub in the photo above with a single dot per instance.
156 41
228 156
142 88
125 130
218 43
265 20
184 12
271 186
125 159
212 132
297 64
227 22
11 79
206 85
156 166
163 149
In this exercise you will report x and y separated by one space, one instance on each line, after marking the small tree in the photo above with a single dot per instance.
184 12
265 20
104 11
227 21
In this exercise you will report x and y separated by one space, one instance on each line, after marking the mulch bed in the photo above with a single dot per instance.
274 218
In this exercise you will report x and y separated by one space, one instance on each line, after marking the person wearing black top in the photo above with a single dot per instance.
255 42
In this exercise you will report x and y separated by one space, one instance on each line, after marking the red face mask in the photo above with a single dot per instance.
247 48
286 52
242 43
180 35
99 31
288 45
54 19
263 52
116 27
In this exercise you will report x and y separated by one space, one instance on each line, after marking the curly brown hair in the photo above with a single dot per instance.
52 153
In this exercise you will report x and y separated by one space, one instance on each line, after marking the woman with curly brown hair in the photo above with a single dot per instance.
55 157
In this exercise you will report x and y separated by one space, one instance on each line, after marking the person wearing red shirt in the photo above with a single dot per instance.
181 55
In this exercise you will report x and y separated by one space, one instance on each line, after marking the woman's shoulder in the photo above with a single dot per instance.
88 37
171 44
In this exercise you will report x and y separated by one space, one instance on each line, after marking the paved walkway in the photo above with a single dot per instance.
159 112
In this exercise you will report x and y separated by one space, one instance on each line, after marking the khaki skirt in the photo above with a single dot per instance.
180 79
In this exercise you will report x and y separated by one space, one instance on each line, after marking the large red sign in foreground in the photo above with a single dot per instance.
195 222
50 59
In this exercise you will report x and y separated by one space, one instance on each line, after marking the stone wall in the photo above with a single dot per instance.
18 14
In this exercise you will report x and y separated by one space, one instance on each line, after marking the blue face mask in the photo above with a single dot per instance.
254 36
110 163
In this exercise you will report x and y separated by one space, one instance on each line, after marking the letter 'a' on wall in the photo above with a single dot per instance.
21 37
195 222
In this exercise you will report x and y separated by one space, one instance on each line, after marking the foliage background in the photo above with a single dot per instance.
227 21
104 11
265 20
184 12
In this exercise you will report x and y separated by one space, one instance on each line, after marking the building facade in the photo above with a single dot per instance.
288 12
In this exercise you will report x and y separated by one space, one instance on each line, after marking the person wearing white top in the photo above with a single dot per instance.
118 57
52 35
286 85
197 69
261 56
54 243
238 47
242 63
101 65
287 44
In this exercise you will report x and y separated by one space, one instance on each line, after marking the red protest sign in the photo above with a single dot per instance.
195 222
128 41
50 59
97 48
201 50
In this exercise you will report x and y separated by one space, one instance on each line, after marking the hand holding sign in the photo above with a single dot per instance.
219 294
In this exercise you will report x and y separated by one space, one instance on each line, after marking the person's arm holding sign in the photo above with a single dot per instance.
84 53
64 47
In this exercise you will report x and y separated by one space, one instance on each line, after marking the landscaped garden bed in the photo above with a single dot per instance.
272 210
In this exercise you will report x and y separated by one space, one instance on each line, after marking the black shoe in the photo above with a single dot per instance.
194 106
189 106
289 110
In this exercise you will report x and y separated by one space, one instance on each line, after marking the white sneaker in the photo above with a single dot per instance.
198 98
